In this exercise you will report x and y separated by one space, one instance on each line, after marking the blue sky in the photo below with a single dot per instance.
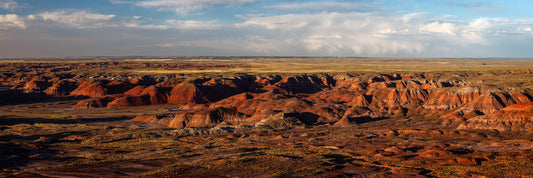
368 28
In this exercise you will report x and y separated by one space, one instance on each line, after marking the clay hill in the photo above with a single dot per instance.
313 99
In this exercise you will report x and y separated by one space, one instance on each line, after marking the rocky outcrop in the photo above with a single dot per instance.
93 103
60 88
36 85
283 120
157 96
206 118
127 101
513 117
118 87
90 89
302 84
186 93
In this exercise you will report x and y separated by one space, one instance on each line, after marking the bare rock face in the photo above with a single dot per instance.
521 97
513 117
36 85
450 100
283 120
362 100
218 89
488 103
205 118
127 101
345 122
156 95
135 91
118 87
90 89
60 88
186 93
93 103
302 84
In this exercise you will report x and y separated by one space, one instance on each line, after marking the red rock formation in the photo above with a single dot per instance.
334 96
487 103
36 85
93 103
362 100
127 101
513 117
406 98
447 100
186 93
156 95
345 122
521 97
60 88
206 118
90 89
118 87
220 88
302 84
135 91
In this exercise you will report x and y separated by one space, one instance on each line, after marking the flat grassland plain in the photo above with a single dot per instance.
323 117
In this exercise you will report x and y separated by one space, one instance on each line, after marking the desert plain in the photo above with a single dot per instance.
169 116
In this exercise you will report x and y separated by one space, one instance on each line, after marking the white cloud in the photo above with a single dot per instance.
337 33
173 24
8 4
193 24
324 7
137 24
282 22
77 19
436 27
183 7
370 34
9 21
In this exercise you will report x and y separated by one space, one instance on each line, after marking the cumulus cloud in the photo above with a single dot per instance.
77 18
8 4
183 7
10 21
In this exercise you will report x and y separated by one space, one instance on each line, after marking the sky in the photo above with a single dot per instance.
353 28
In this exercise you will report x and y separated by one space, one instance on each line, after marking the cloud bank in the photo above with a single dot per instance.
273 28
